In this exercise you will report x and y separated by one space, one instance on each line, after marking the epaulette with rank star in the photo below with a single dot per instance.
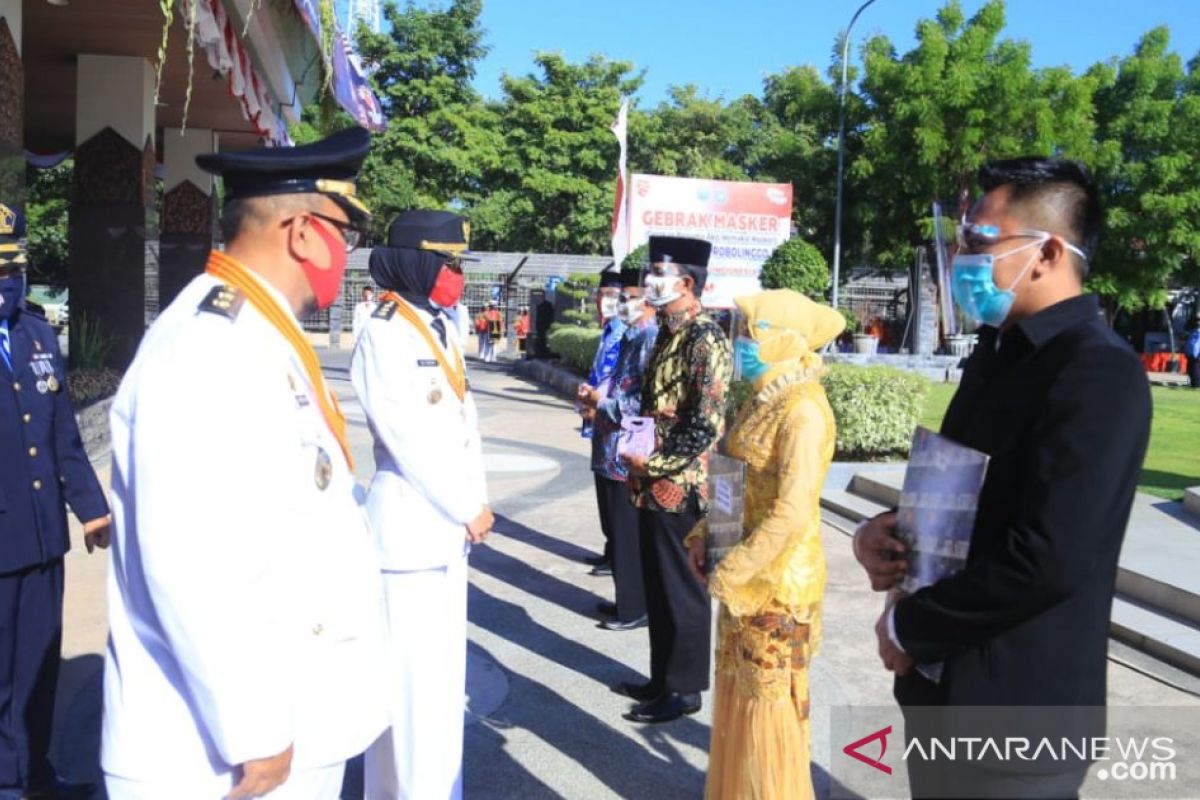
224 300
385 310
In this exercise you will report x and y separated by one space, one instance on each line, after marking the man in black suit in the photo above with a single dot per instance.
1062 406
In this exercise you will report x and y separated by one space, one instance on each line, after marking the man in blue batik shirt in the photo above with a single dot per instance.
602 369
623 399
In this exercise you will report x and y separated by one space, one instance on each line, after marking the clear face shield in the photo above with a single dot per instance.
747 362
607 302
630 305
663 283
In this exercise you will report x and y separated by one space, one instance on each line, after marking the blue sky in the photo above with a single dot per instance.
727 47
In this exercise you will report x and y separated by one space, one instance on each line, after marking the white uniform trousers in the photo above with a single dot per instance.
420 756
324 783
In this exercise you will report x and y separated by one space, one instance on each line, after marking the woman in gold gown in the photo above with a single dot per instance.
770 585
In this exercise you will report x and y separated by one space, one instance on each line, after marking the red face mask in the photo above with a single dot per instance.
448 287
326 283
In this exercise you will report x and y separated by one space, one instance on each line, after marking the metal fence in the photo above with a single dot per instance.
508 279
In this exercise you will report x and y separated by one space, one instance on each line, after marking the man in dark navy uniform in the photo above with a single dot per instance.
44 464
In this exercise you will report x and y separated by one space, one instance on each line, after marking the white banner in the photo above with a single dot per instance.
744 221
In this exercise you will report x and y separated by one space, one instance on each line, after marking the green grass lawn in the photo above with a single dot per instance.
1173 463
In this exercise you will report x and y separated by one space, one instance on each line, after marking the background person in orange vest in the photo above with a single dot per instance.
521 326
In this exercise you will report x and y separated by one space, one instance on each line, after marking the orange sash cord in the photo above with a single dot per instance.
457 378
235 274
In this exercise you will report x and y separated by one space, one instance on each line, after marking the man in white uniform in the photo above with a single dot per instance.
427 503
245 606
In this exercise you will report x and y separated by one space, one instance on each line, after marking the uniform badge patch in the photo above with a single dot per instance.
42 387
52 383
223 300
324 470
435 395
385 310
427 362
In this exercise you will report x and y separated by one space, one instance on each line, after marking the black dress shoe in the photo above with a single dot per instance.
601 570
671 706
631 625
642 692
606 607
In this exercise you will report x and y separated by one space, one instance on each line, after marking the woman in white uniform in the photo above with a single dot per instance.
427 503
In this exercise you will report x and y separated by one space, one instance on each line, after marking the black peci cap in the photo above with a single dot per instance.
327 167
680 250
437 231
610 279
690 254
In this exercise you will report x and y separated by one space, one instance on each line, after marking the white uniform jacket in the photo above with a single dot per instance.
430 479
244 596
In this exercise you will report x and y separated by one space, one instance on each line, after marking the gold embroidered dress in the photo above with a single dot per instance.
771 584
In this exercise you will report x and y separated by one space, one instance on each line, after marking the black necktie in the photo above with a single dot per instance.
440 327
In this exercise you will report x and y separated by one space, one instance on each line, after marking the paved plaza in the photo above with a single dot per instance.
542 720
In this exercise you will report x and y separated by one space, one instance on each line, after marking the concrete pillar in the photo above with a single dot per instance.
112 210
187 213
12 107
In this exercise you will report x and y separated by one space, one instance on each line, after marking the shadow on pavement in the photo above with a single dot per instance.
534 538
557 405
628 768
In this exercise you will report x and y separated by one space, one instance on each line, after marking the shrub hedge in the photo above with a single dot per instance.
876 408
577 346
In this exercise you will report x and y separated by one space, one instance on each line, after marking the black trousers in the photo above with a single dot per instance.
1193 371
600 499
31 605
678 604
919 699
619 521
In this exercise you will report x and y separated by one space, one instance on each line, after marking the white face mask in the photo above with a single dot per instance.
629 312
662 290
608 307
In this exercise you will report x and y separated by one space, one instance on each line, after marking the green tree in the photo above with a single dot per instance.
960 98
47 229
802 148
440 139
693 136
638 258
799 266
1148 143
553 188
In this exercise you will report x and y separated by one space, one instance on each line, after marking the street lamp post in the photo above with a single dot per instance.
837 211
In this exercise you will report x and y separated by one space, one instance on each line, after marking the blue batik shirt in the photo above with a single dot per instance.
624 396
606 354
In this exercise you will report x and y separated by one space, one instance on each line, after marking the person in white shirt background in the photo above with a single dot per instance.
362 310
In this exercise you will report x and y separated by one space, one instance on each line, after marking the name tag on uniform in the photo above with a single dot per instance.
427 362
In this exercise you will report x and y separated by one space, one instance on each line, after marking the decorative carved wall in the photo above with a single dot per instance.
12 89
109 171
187 209
12 120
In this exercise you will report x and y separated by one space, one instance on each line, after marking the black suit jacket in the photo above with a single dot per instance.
42 460
1062 405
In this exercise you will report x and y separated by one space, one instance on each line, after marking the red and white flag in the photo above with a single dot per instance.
620 219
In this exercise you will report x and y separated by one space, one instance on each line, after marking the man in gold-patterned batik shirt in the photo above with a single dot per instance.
685 387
